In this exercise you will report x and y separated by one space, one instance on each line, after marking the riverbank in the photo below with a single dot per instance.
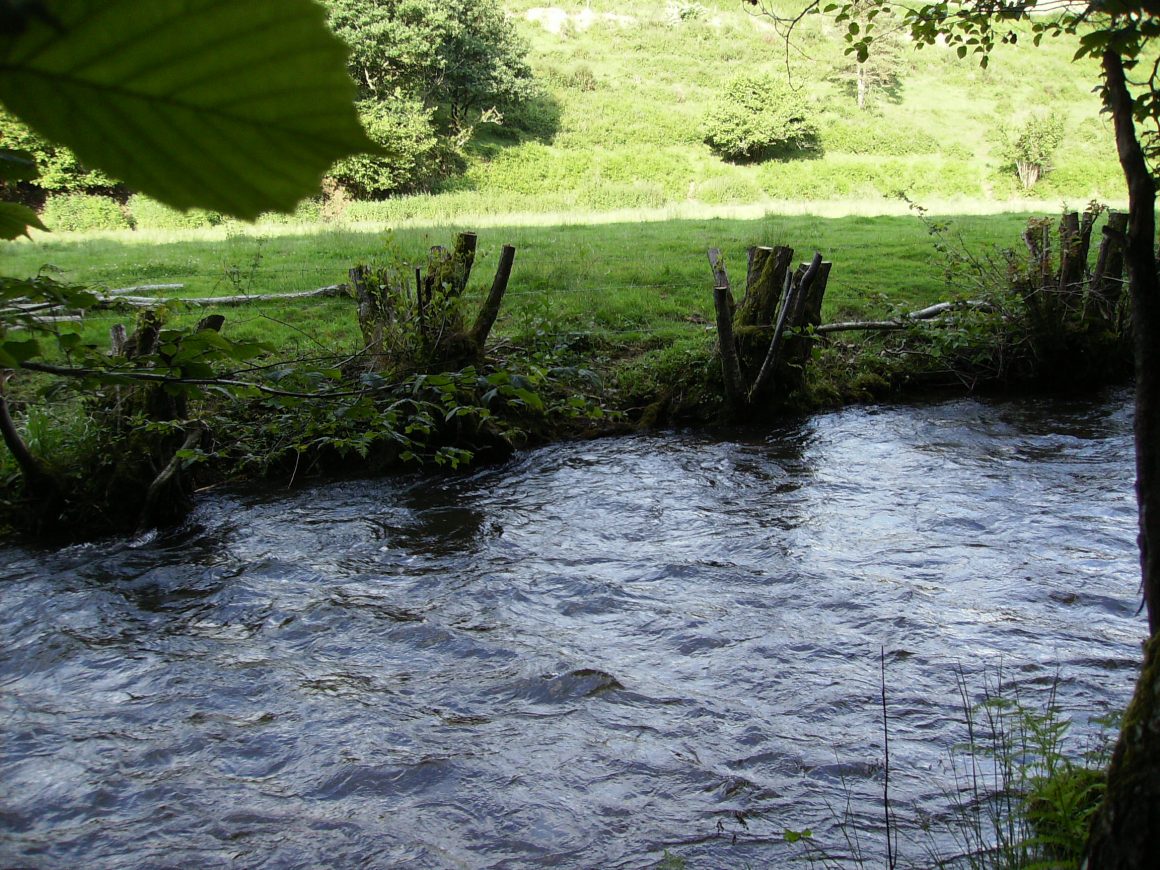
604 328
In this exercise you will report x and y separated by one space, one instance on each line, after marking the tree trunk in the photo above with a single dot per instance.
1126 831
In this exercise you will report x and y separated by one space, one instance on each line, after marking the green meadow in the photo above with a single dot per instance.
624 282
620 122
608 191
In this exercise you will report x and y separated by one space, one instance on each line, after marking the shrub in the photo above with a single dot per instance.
403 128
78 212
1032 145
755 115
149 214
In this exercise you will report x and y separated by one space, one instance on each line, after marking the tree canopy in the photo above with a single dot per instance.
462 57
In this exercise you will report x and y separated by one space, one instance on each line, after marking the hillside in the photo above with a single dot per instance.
627 87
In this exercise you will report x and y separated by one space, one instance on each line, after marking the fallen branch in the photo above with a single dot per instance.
906 320
126 375
114 301
159 484
138 288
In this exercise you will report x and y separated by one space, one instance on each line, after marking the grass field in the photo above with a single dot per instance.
623 281
626 90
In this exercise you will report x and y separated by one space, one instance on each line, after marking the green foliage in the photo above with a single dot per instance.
147 213
78 212
402 128
222 119
726 189
868 177
756 114
462 56
1029 794
59 169
678 12
1031 145
862 135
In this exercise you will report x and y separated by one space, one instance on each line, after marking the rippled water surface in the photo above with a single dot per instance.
593 654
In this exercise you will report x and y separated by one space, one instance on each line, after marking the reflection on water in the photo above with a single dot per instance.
585 657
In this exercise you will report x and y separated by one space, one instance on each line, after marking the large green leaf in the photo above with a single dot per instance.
15 219
234 105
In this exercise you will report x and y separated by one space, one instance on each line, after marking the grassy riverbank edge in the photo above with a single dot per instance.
606 328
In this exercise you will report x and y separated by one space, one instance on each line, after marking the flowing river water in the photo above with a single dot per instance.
586 657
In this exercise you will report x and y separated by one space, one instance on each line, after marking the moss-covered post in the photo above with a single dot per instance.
727 344
1125 831
426 328
762 359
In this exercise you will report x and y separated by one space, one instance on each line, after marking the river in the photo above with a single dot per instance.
590 655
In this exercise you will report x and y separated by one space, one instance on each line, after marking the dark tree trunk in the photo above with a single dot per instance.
1126 831
1144 287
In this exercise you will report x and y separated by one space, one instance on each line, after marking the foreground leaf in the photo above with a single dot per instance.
234 106
15 219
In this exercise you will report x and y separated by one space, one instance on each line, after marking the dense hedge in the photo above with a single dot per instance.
79 212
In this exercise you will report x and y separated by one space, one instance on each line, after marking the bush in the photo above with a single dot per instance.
1031 146
149 214
403 128
756 115
78 212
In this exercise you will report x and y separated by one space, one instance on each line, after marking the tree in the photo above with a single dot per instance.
462 57
1120 33
428 71
755 114
1030 146
881 69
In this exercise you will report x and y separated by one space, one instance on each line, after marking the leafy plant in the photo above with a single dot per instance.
222 120
78 212
402 127
1025 797
756 114
1030 146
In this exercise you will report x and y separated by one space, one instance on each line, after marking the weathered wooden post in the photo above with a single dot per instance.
430 328
760 339
1107 281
